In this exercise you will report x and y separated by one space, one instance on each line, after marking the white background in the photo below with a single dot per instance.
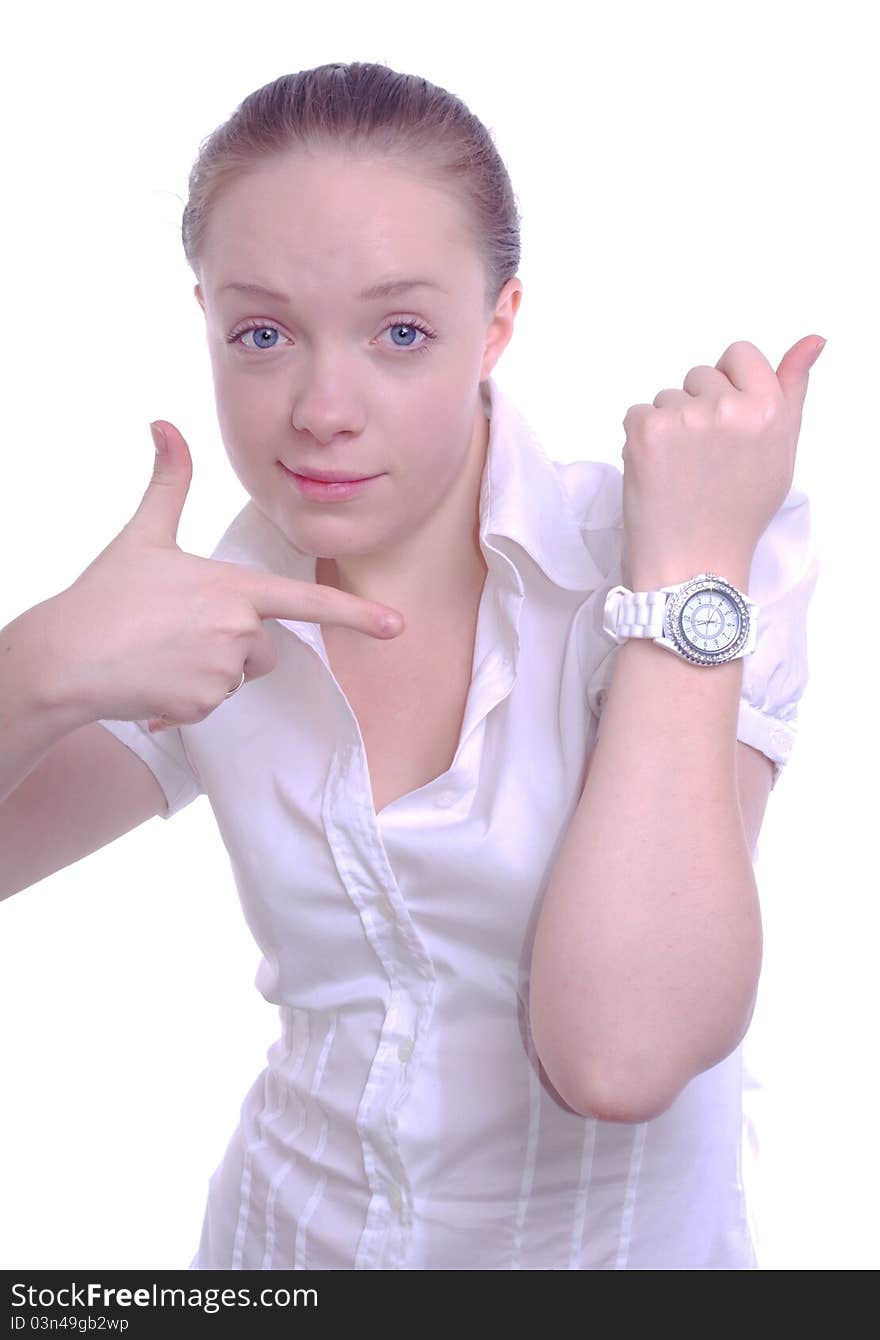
689 174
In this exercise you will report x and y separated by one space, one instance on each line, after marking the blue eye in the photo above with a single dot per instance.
258 330
264 328
408 326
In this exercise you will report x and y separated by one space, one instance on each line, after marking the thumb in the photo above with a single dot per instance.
794 371
162 504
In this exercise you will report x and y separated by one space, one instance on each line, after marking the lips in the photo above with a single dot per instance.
328 476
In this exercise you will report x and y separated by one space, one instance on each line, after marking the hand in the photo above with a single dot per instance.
707 468
149 631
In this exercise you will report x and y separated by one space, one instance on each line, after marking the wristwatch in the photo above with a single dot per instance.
705 620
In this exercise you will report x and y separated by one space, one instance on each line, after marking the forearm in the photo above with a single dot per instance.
647 950
33 714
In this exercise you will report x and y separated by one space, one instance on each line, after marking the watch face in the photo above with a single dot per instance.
708 620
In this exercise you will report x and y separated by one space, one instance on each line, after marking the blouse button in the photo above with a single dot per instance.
385 907
394 1196
405 1049
447 798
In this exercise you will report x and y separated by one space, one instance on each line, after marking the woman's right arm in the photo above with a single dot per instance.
67 786
33 713
147 632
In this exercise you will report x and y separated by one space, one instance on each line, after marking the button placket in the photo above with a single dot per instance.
368 877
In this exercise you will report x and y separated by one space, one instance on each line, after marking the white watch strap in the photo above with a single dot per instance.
634 613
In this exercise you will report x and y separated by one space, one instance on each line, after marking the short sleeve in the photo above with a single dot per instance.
165 755
783 576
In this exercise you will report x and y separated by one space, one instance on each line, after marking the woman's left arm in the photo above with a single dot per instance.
647 951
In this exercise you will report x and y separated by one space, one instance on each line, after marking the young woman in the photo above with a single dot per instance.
513 960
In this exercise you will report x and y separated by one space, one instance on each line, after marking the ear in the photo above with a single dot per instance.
500 330
199 296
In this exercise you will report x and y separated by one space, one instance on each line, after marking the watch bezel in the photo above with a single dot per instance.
672 619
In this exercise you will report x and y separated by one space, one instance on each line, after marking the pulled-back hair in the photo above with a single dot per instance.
371 109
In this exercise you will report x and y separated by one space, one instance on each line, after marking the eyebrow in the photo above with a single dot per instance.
385 289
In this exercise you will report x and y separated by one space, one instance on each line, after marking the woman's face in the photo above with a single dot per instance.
330 379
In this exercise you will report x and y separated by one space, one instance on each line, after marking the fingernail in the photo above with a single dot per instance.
158 437
817 351
391 623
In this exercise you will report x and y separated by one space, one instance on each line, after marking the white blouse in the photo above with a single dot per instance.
403 1120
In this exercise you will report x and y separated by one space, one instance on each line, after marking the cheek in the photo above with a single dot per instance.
241 387
445 436
244 417
435 463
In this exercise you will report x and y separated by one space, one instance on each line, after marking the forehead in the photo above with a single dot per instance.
358 219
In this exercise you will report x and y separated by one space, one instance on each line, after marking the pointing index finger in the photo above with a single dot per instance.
275 597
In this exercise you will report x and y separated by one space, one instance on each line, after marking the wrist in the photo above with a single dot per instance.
651 577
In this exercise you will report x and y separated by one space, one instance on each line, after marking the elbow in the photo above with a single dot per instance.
618 1098
614 1092
640 1094
616 1101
